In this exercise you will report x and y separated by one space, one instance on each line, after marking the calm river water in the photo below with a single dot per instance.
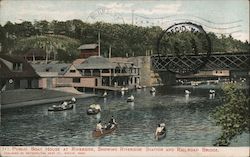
188 121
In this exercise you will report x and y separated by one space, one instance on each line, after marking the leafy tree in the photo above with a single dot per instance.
41 27
233 116
124 38
67 57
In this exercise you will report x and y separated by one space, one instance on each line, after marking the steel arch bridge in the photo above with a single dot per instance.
216 61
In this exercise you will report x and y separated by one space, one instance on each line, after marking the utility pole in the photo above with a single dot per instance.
99 43
33 55
133 17
110 51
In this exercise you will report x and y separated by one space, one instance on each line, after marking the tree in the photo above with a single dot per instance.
41 27
233 116
123 38
67 57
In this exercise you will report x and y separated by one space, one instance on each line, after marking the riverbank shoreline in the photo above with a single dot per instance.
45 101
30 97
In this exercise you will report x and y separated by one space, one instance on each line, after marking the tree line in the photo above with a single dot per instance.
124 39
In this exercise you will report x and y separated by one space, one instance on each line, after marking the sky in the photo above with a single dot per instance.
218 16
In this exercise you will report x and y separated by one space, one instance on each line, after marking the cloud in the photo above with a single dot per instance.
162 9
124 8
243 36
116 5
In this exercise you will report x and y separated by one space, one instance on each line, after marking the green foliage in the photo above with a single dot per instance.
233 116
55 44
47 42
67 57
123 38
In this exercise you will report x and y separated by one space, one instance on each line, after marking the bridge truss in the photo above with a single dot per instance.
183 64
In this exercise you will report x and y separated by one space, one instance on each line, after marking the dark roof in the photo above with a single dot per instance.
36 52
12 59
87 46
27 70
96 62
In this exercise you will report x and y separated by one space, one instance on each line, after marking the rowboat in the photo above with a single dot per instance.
152 90
138 87
98 133
66 105
187 92
160 135
131 99
211 91
60 108
94 109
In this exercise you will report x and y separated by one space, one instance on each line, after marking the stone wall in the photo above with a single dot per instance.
149 77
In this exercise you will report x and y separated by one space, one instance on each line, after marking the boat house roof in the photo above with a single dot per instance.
96 62
56 68
87 46
27 70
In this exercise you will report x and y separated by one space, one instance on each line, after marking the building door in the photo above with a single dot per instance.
49 82
29 84
17 84
96 82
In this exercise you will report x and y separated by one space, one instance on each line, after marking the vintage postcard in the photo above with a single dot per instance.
82 78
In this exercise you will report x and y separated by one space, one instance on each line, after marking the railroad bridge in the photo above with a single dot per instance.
216 61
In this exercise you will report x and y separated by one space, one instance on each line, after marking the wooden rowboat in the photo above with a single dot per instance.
92 111
60 108
97 133
160 135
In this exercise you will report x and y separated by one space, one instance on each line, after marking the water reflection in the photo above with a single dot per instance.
105 100
74 108
65 114
153 94
211 96
132 105
98 116
186 98
122 92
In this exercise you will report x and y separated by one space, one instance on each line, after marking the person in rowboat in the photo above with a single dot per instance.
111 123
64 104
99 127
73 100
159 129
163 125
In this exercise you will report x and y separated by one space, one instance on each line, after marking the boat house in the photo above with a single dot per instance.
88 50
17 73
99 73
50 74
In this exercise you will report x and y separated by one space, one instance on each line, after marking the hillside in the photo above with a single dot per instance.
125 40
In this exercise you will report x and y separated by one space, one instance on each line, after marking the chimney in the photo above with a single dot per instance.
110 51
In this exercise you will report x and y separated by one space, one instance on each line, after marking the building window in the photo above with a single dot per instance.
72 71
105 71
76 80
17 66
